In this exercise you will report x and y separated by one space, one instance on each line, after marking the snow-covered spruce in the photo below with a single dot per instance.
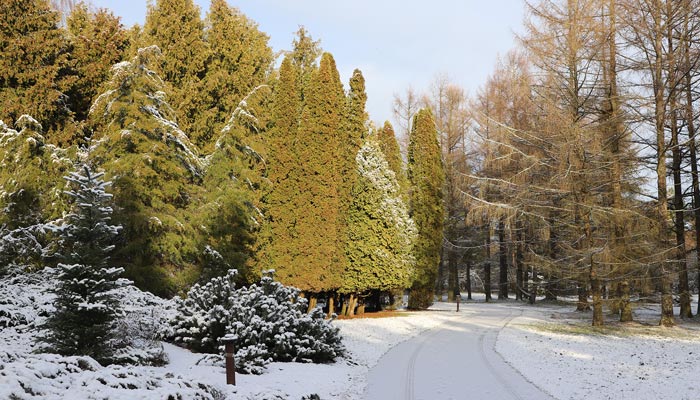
86 302
268 322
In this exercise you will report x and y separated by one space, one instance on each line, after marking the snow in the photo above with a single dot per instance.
558 351
549 346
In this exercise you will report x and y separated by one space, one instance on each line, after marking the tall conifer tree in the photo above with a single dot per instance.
380 231
392 153
34 69
283 173
176 27
318 266
157 176
98 41
427 177
240 60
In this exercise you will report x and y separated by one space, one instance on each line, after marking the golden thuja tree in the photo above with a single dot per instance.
426 175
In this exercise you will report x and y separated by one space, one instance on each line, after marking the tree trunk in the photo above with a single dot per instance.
361 306
533 287
661 149
518 262
690 124
487 266
625 305
678 206
582 303
469 280
597 301
312 303
502 262
344 307
453 287
331 308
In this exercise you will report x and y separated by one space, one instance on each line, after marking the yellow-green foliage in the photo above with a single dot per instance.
318 265
427 177
239 60
235 185
280 252
31 175
157 175
98 41
380 232
34 74
390 149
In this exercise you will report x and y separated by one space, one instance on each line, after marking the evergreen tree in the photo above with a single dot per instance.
392 153
380 231
98 41
86 306
30 189
240 60
176 27
304 57
351 139
34 73
157 176
318 266
235 184
427 177
280 253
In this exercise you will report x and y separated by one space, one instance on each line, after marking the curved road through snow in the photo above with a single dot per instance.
455 360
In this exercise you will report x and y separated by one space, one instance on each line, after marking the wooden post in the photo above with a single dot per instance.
459 297
230 362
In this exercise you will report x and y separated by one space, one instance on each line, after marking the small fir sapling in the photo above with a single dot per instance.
86 302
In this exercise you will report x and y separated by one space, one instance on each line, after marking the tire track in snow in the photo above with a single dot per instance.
409 390
482 353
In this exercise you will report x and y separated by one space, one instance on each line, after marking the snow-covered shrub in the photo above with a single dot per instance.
268 322
24 298
145 322
50 376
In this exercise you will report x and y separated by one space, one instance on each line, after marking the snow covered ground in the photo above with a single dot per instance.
558 351
551 346
366 339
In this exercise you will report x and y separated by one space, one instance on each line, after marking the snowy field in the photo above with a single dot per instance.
551 346
557 350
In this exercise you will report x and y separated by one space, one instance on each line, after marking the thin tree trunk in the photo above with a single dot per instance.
469 280
533 286
597 301
487 266
351 305
453 287
690 123
502 262
361 306
518 261
582 303
625 305
678 206
312 303
331 308
344 307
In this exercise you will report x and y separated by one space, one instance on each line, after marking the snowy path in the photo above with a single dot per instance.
455 360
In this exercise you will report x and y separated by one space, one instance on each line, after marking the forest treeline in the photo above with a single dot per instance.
221 154
585 167
573 170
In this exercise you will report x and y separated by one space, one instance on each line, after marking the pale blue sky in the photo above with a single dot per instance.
396 43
